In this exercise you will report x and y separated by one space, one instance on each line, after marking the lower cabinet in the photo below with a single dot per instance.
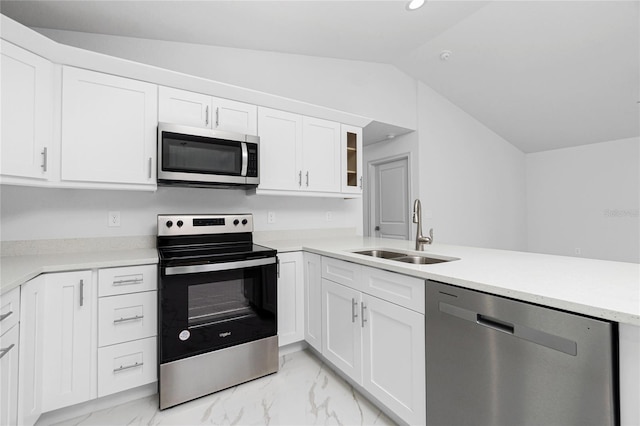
290 298
67 347
313 301
9 376
378 344
126 365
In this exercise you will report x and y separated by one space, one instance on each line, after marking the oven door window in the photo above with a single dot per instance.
194 154
215 303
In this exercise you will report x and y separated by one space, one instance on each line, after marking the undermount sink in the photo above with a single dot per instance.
416 259
381 253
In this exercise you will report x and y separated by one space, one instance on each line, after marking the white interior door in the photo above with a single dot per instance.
390 199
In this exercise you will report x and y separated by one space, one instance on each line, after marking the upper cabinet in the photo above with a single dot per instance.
299 153
198 110
109 128
351 159
280 149
27 109
321 155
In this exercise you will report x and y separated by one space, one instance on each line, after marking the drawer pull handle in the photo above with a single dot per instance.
126 367
137 317
5 351
129 282
5 316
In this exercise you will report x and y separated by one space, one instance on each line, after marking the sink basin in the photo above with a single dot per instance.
419 260
416 259
385 254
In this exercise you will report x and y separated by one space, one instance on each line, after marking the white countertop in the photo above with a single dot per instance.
17 270
602 289
599 288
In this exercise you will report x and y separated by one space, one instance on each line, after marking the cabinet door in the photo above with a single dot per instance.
182 107
341 334
32 306
321 155
108 128
27 108
290 298
351 147
394 358
67 350
232 116
9 376
313 300
280 149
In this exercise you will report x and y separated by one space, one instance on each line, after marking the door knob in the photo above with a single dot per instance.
377 228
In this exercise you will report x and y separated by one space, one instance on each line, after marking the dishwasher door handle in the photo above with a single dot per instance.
494 323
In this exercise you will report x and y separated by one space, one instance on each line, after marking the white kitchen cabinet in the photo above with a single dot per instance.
298 153
127 365
9 356
290 298
68 349
341 331
321 155
280 150
373 330
351 152
313 300
109 127
127 328
196 109
9 347
32 321
394 357
27 114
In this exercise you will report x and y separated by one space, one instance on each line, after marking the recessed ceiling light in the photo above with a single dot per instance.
415 4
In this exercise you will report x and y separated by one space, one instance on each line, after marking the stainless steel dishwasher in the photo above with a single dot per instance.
496 361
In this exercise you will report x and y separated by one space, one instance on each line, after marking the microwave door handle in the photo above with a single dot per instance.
245 159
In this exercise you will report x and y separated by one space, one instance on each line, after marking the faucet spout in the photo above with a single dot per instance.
421 240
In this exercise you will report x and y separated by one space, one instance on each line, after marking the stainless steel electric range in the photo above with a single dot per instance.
217 305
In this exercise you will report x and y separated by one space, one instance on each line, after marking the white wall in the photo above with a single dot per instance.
377 91
471 180
41 213
585 198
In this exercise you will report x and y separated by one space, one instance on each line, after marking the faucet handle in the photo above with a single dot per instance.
430 235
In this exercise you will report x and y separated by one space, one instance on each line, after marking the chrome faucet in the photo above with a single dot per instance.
421 240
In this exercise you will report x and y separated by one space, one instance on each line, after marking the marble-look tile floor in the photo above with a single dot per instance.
304 392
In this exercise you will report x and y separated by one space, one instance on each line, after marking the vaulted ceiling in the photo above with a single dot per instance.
541 74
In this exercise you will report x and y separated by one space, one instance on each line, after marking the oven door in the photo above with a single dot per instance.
209 307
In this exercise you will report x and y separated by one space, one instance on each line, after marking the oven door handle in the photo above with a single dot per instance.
214 267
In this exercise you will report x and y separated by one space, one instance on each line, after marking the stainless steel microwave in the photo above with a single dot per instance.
192 156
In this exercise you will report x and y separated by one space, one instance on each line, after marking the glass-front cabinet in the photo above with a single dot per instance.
351 159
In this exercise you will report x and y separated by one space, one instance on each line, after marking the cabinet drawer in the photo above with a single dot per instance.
126 366
9 310
396 288
129 279
127 317
341 272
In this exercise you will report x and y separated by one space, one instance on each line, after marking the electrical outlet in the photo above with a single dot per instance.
578 251
329 216
114 219
271 217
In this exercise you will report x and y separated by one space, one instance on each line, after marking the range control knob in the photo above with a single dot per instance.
236 222
180 223
169 224
244 221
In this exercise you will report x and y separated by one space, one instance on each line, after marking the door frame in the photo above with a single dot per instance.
369 194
